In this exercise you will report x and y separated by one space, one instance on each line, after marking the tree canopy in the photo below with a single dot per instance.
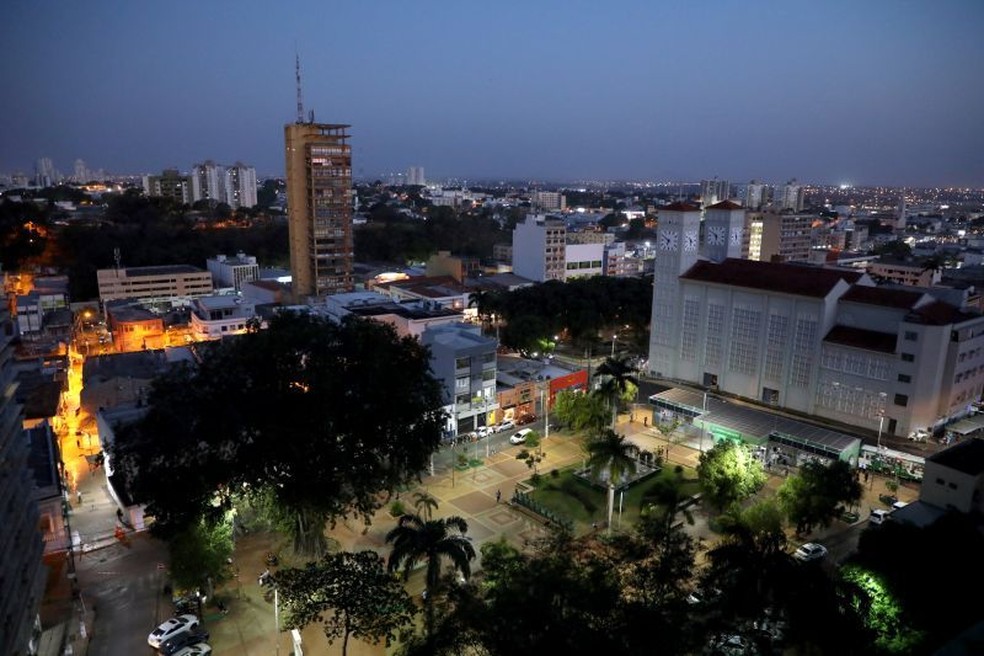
323 416
349 594
728 473
812 497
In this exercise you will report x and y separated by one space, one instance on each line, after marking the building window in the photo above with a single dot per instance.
901 399
908 357
461 363
911 336
905 378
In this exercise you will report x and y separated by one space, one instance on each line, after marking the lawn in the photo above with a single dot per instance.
570 497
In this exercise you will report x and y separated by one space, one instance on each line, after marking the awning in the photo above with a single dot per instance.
967 426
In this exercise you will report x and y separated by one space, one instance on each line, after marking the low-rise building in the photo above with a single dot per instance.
153 283
464 361
233 271
134 328
408 317
215 317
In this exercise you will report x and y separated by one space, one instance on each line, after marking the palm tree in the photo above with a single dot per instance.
487 304
618 376
610 453
416 540
425 504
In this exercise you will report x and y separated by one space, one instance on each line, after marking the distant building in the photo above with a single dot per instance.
538 248
170 184
789 196
443 291
415 176
782 237
459 268
912 274
714 191
240 186
548 201
757 195
319 196
233 271
208 182
161 283
409 318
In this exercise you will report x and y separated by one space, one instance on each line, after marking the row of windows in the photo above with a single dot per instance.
804 342
690 326
743 356
858 364
593 264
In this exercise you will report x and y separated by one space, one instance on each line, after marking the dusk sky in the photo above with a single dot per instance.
868 92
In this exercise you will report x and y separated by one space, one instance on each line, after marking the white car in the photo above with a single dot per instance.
809 552
520 436
170 628
509 424
484 431
201 649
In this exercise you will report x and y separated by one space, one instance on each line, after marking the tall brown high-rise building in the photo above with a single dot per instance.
319 198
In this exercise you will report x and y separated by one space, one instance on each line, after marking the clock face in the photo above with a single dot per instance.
690 241
669 240
716 235
736 236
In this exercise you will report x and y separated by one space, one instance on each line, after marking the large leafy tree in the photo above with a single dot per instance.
321 416
611 459
812 497
201 552
579 411
416 540
728 473
350 595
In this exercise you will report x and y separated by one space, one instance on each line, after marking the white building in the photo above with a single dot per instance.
789 196
240 186
234 185
538 248
549 201
233 271
583 260
208 182
415 176
154 283
714 191
215 317
409 318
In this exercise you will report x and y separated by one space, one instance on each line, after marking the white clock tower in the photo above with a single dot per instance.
677 249
724 229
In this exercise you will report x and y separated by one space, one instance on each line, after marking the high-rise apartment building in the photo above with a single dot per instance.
549 201
714 191
240 185
415 176
170 184
757 195
319 203
22 575
789 196
208 182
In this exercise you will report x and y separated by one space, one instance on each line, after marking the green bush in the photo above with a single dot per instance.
397 508
554 473
573 488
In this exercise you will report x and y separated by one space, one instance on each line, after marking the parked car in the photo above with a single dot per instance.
484 431
878 516
520 436
525 419
509 424
809 552
201 649
171 628
181 640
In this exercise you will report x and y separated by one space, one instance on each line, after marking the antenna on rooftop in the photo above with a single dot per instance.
117 258
300 103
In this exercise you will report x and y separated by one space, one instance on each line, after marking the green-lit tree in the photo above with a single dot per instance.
579 411
350 594
201 552
728 473
415 540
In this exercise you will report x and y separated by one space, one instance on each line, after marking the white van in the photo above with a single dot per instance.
898 505
878 515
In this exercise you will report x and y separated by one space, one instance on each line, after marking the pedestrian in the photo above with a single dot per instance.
78 443
645 421
498 496
78 496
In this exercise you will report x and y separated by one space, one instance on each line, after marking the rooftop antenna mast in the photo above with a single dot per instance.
300 102
117 258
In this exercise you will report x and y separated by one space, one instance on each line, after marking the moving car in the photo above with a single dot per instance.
809 552
509 424
171 628
520 436
181 640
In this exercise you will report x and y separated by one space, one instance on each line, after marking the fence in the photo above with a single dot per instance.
528 502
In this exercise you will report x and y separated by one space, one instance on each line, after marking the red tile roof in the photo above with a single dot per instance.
897 298
939 313
725 205
797 279
870 340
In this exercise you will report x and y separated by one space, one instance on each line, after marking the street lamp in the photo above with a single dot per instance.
614 337
881 416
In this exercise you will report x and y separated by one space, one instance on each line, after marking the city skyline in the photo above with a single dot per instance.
879 94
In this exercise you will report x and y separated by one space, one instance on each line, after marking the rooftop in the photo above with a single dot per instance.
725 205
883 296
796 279
966 457
869 340
162 270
